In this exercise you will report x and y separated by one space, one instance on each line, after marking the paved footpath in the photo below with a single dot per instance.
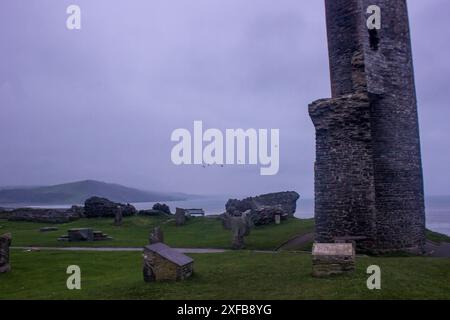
433 249
107 249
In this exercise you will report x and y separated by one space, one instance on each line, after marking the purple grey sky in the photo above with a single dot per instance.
102 102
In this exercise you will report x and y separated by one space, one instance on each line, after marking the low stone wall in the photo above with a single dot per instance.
41 215
333 259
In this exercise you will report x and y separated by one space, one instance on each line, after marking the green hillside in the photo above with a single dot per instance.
78 192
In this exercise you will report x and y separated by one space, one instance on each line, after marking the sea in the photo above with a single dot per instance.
437 209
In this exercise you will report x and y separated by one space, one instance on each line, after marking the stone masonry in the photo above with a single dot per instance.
368 170
332 259
5 243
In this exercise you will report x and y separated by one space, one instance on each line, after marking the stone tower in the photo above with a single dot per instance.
368 170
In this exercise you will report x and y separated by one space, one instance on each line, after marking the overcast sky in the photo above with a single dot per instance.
101 103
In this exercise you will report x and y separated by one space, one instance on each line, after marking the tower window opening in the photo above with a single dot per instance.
374 39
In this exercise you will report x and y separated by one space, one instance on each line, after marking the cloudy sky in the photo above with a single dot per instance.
101 103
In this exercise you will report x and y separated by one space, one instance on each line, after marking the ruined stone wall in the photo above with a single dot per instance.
386 203
344 184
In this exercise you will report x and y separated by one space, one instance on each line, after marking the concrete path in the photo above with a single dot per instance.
433 249
107 249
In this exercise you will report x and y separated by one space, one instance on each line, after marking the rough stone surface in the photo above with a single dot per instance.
240 228
368 171
265 207
161 207
42 215
333 259
156 236
266 215
118 217
164 263
96 207
180 217
5 243
78 210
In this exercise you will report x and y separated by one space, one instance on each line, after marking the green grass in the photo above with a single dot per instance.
198 233
231 275
437 237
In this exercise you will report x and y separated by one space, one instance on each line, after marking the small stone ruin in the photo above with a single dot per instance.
5 243
118 216
161 262
180 217
265 208
332 259
240 227
156 236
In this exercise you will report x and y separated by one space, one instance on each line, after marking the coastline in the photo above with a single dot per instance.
437 209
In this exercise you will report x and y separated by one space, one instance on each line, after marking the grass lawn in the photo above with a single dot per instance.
197 233
231 275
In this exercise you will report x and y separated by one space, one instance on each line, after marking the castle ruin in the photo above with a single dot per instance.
368 170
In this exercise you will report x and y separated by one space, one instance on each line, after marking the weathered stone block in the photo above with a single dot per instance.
240 228
118 216
180 217
156 236
84 234
5 243
333 259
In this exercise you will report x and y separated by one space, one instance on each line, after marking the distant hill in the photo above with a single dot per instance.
78 192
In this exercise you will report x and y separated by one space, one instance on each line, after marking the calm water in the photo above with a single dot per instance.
438 209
